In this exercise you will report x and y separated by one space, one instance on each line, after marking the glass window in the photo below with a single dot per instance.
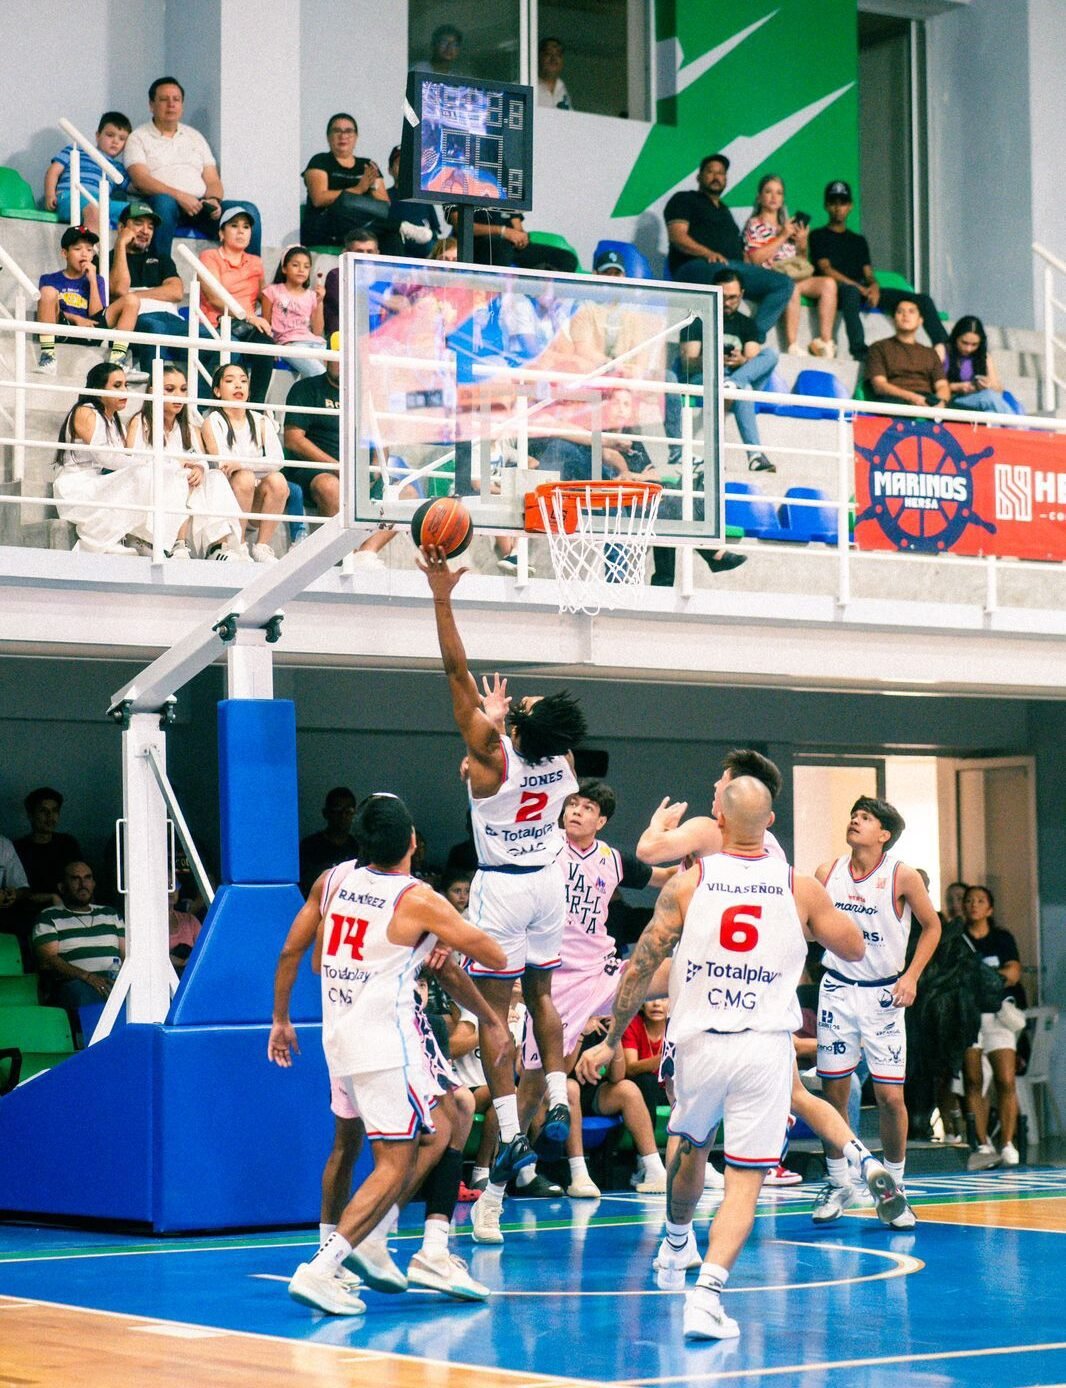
473 40
594 55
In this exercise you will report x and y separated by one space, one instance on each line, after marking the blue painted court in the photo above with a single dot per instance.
973 1296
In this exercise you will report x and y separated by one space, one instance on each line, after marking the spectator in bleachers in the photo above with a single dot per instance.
240 272
952 915
972 377
551 89
500 238
138 268
447 248
294 309
14 890
332 845
444 49
112 132
338 181
844 256
172 167
704 240
248 444
642 1046
44 851
79 945
779 243
455 885
413 228
899 370
362 241
315 438
184 932
75 296
997 1039
201 513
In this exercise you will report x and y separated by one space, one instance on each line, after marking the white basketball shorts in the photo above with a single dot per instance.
743 1078
854 1021
394 1104
524 913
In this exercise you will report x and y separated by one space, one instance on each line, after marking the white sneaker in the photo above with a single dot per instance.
373 1262
795 350
46 364
782 1176
983 1159
367 559
671 1264
352 1285
906 1219
1008 1155
652 1185
263 554
420 235
323 1293
228 553
180 551
831 1202
713 1178
705 1318
889 1200
819 348
583 1188
485 1221
445 1273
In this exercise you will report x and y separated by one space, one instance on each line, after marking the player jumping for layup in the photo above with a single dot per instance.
737 921
517 788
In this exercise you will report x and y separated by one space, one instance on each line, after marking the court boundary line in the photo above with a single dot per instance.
527 1379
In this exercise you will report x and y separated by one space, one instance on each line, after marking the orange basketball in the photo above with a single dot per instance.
445 522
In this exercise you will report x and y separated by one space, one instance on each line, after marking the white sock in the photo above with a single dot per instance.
479 1173
713 1277
677 1234
382 1229
895 1170
838 1170
854 1151
324 1231
494 1193
435 1236
578 1168
653 1165
507 1112
556 1083
332 1253
525 1175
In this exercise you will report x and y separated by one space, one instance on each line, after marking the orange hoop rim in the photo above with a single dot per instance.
595 494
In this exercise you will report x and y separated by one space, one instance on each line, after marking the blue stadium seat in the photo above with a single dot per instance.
746 507
636 264
809 522
1013 401
823 383
778 384
595 1130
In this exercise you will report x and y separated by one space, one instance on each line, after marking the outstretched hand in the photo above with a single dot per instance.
668 816
434 564
495 701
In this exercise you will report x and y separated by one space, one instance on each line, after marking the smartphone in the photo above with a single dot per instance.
802 219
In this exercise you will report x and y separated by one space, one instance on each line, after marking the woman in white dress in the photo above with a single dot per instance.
202 515
247 443
91 475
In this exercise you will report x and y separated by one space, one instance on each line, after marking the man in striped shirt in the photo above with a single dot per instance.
79 945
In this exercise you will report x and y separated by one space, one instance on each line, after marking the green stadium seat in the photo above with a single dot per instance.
326 250
18 990
10 956
892 279
552 238
42 1034
17 200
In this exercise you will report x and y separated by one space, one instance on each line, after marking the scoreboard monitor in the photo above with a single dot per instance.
467 142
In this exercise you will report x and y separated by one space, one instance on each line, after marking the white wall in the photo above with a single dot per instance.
1047 117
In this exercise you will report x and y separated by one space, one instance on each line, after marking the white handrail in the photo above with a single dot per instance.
15 270
216 287
101 160
1050 257
1052 343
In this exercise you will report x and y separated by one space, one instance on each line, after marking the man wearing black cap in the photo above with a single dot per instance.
154 278
844 256
704 238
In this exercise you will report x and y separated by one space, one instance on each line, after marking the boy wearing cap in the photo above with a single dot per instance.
137 267
844 256
75 296
241 274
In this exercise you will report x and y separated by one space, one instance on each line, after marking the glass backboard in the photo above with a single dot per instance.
485 382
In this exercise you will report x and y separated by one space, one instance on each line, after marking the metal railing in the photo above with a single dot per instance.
109 174
1054 344
26 294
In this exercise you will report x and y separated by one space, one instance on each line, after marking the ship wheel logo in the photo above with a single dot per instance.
921 486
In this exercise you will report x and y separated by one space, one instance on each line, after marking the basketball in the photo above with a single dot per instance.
445 522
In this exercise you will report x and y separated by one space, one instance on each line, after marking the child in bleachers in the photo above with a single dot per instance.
294 310
111 135
75 296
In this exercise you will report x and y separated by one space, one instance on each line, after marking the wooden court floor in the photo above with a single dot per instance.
974 1295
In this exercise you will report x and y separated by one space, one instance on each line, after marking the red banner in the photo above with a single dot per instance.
959 489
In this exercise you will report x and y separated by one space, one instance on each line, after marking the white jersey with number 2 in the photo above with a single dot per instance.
519 824
741 952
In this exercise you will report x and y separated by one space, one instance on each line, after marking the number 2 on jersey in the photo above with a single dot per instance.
354 932
531 806
738 930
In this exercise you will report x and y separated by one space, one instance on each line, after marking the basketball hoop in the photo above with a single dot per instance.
598 535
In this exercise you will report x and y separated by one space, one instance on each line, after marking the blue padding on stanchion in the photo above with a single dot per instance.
230 974
257 790
181 1129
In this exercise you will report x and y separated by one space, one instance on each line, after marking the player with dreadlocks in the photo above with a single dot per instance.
518 780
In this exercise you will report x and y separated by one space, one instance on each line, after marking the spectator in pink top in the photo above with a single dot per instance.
294 310
776 241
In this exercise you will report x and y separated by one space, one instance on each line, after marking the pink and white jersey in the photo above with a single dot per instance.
871 901
741 951
519 825
593 876
368 998
773 847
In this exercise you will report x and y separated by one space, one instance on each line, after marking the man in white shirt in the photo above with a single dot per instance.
551 89
171 165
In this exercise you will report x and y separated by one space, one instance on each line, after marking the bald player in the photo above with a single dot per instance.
735 924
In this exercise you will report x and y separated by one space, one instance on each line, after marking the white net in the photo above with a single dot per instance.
598 535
